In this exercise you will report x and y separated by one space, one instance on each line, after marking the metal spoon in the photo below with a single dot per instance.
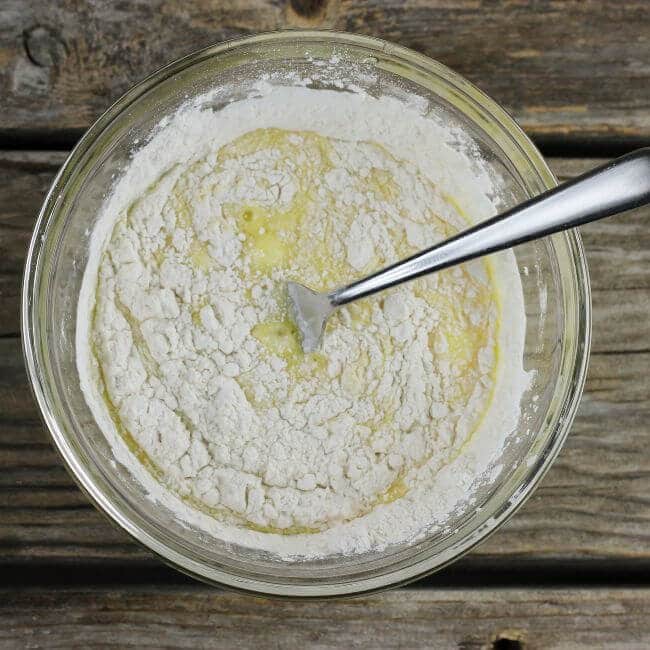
618 186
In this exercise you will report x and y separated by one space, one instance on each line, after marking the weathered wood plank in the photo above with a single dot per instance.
566 69
26 177
410 618
593 503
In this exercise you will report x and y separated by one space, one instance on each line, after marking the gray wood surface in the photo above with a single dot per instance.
574 70
572 568
161 617
594 503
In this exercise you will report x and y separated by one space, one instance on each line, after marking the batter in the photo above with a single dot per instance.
188 353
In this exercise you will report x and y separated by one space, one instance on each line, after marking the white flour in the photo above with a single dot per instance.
190 355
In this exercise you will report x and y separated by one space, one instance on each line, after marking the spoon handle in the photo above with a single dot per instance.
618 186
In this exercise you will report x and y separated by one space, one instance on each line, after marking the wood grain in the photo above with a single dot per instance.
594 503
569 70
477 619
26 177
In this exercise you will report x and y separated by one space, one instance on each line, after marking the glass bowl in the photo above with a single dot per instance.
553 270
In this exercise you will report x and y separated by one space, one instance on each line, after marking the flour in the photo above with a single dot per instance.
191 358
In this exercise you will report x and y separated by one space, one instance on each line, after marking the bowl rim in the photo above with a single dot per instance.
68 453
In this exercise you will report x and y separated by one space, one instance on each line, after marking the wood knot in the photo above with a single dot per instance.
44 46
509 640
308 8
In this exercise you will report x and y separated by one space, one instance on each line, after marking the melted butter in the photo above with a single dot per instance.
280 338
452 201
196 310
396 490
182 210
381 182
271 235
199 255
462 340
160 255
291 530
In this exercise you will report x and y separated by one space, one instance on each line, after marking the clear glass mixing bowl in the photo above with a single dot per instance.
553 270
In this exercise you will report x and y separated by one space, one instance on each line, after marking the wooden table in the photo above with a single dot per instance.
572 568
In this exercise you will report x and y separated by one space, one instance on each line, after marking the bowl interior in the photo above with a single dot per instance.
552 270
